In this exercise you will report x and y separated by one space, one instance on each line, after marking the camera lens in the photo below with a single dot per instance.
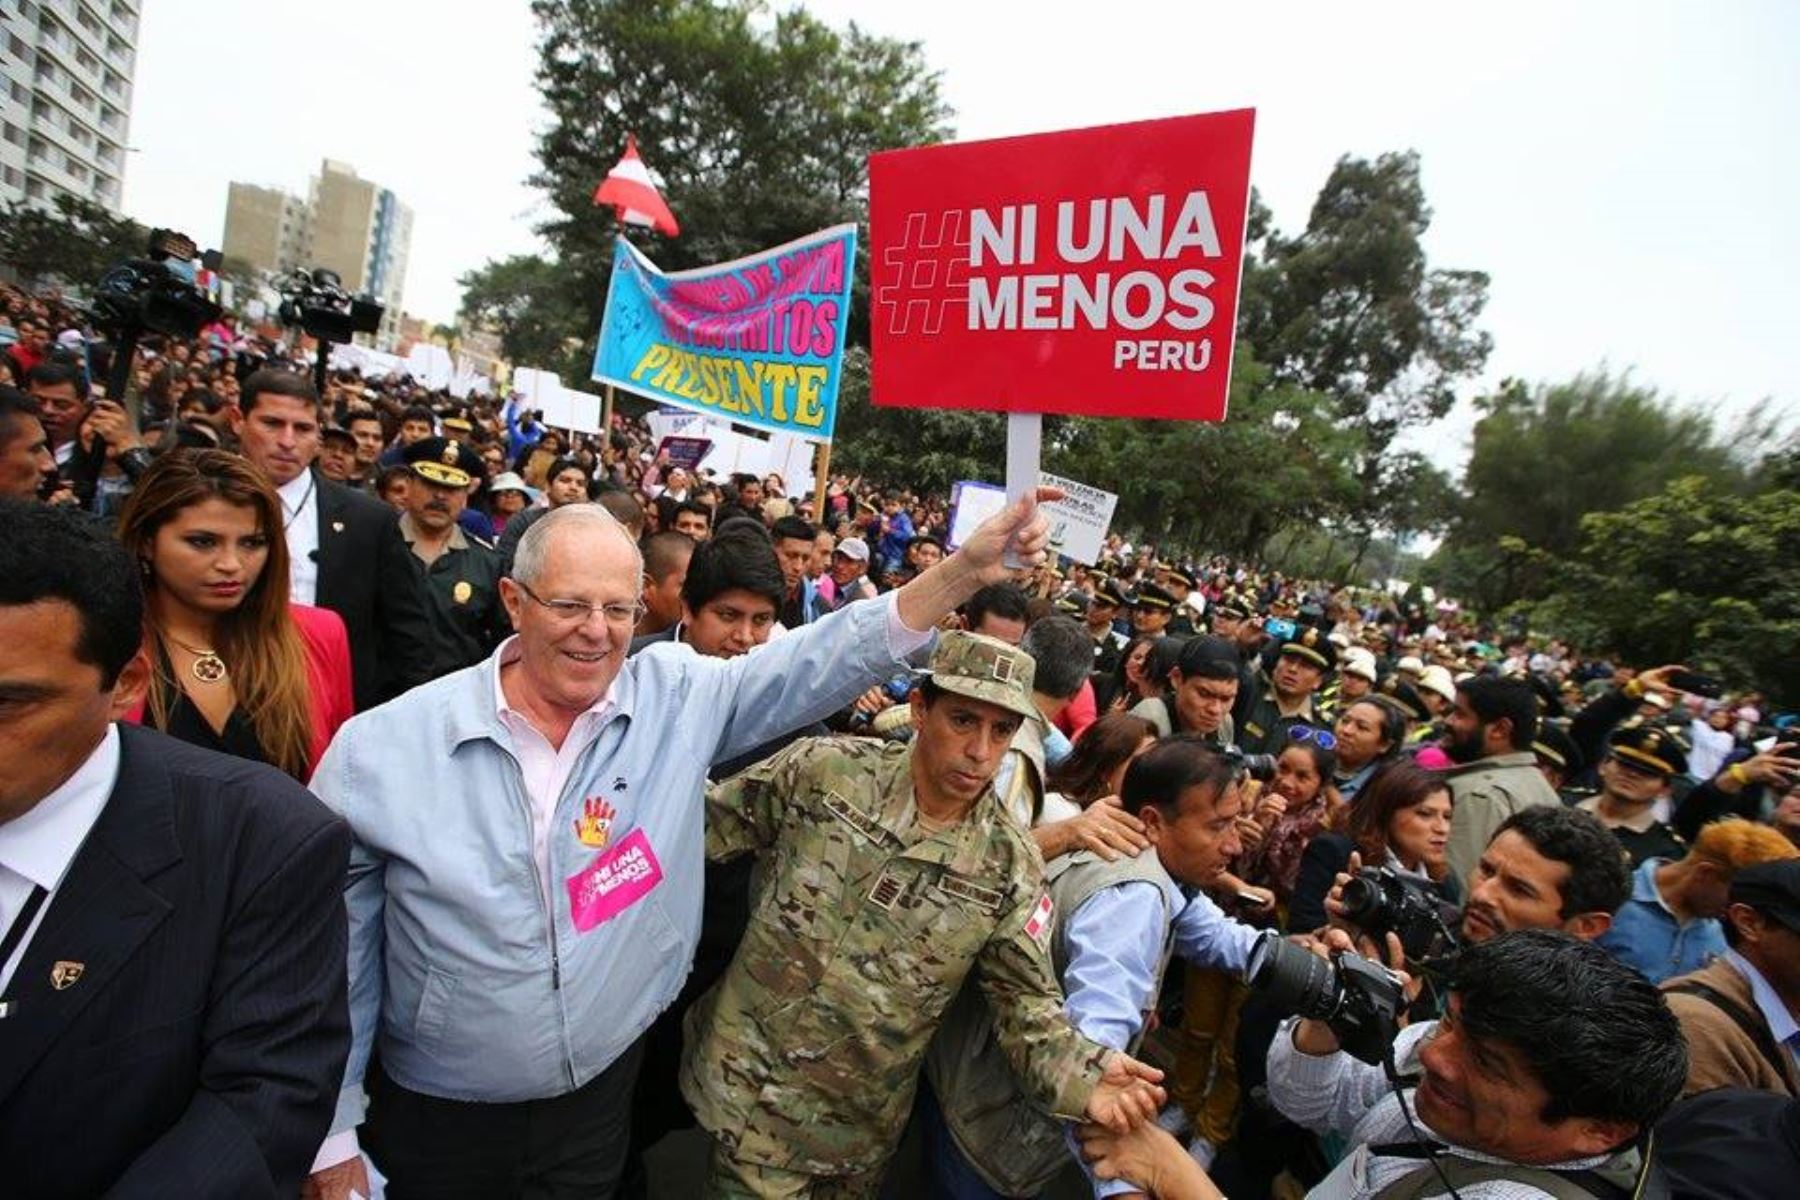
1362 901
1293 979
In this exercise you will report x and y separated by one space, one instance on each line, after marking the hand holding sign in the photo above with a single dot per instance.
1019 533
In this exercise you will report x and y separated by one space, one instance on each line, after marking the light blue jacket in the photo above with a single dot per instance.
477 992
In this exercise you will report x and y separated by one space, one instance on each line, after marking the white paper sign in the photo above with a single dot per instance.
970 505
1079 521
584 411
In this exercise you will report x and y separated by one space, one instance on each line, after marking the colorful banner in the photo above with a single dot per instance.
759 341
1093 271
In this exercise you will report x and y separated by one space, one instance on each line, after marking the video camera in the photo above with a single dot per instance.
1380 900
1359 1000
315 301
158 293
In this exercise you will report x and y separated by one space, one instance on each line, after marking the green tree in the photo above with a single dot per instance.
530 302
759 128
1545 458
1695 574
1351 309
74 242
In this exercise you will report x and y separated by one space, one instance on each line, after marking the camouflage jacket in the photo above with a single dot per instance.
862 930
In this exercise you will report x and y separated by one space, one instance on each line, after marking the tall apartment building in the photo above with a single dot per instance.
65 98
346 224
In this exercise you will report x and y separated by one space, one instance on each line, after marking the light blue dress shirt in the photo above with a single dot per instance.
1115 942
1645 934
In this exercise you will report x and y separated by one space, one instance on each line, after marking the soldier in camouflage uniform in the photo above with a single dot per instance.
890 872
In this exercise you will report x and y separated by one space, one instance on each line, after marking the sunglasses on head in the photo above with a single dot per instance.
1322 738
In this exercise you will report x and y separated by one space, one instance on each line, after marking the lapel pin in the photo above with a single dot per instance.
65 973
337 527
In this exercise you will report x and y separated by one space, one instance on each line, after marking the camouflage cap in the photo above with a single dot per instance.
985 668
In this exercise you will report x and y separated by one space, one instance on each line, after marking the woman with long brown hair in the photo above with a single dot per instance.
1400 819
235 667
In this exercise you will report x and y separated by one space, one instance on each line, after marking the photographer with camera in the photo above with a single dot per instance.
1549 1067
1397 828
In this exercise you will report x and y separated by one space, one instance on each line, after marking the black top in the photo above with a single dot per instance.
190 725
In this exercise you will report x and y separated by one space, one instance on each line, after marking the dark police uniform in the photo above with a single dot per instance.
1264 729
1646 746
462 585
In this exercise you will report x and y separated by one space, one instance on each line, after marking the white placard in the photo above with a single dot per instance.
584 411
972 504
1079 521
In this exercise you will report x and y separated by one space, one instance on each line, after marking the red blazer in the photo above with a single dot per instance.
326 645
1078 713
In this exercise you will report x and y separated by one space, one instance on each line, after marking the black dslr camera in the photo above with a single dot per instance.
1360 1000
1380 900
1256 766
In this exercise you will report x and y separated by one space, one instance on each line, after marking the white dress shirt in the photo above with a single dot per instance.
300 514
37 847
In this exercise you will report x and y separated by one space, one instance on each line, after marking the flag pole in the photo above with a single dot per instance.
606 411
821 477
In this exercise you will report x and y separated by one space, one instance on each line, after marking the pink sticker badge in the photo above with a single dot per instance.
1038 924
613 882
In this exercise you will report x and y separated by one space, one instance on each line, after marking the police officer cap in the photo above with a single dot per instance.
1553 745
1312 646
1074 603
1401 691
1232 606
1649 745
337 433
1109 592
985 668
1149 595
1182 575
443 461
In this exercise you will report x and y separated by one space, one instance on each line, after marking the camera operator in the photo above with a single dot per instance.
1513 1102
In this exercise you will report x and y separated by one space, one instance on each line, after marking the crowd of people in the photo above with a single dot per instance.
393 786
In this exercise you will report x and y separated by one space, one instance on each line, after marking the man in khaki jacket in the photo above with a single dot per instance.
1488 735
1741 1012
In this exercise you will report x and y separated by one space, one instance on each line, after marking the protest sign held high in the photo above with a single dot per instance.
758 341
1093 271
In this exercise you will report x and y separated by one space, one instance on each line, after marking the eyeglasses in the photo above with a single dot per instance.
575 612
1322 738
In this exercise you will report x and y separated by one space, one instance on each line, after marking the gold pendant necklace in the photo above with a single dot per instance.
208 666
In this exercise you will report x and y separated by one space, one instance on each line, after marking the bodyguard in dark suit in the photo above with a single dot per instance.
173 1019
345 552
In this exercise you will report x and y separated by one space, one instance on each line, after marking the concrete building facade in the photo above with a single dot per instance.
66 69
346 224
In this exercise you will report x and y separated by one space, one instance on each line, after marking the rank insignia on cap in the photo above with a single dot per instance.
593 828
1003 669
450 455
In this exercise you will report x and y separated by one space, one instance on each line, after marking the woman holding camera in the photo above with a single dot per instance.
1400 819
234 667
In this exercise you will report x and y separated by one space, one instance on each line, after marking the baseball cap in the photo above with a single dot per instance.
1771 888
987 669
854 547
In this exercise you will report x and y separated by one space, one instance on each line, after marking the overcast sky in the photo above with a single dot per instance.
1624 171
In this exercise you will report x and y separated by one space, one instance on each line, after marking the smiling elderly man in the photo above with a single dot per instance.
525 887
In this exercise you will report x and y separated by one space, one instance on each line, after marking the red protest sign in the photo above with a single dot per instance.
1093 271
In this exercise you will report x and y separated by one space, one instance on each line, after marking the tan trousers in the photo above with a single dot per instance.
1205 1081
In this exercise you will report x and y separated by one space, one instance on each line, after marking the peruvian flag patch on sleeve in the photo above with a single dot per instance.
1037 925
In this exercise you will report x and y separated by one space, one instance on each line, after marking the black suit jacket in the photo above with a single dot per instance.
368 577
198 1053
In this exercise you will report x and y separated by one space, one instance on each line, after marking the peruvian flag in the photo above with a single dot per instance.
634 198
